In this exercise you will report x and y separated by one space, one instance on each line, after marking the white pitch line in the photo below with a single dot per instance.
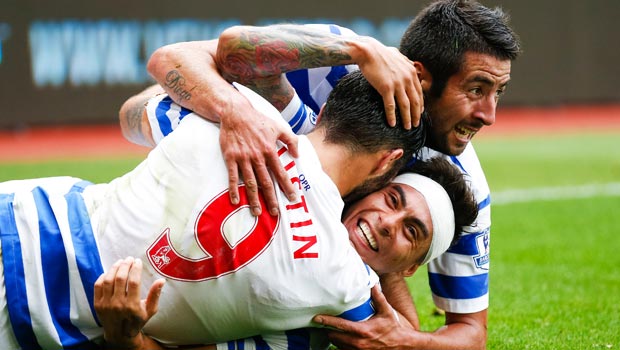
554 193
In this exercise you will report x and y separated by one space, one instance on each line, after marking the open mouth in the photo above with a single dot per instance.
365 231
465 133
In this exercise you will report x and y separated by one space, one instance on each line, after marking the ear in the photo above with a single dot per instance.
386 160
426 79
410 271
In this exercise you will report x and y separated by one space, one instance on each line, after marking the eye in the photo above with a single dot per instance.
500 92
393 199
411 229
476 91
412 232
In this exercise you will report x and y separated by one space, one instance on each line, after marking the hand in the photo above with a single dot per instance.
395 77
384 330
248 142
118 305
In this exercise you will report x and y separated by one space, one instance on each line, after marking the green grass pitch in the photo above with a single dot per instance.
555 276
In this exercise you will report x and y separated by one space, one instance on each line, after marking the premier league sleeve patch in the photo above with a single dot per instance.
482 244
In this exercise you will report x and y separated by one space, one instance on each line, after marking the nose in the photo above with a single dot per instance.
389 223
486 110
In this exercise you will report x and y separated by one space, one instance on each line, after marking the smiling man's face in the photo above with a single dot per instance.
391 229
467 103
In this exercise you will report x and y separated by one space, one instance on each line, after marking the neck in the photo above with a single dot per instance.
346 170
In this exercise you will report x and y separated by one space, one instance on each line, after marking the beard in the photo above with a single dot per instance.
369 186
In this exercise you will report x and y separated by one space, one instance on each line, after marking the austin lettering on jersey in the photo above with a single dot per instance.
300 216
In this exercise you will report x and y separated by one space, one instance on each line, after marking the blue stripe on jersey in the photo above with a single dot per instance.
335 74
452 287
86 253
298 120
14 280
183 112
466 245
260 343
299 80
359 313
455 160
298 339
485 203
55 269
162 119
334 29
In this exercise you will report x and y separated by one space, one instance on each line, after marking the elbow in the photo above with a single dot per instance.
233 63
161 60
123 121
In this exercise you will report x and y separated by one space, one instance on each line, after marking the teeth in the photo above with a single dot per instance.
465 132
365 230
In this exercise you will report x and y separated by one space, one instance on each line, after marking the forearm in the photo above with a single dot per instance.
258 56
188 74
397 293
133 118
462 331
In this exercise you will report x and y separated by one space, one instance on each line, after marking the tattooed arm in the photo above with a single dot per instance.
257 56
187 72
133 119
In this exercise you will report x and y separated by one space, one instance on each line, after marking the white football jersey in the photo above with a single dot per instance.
229 274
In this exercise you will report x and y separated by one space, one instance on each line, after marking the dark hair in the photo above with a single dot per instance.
456 185
445 30
354 116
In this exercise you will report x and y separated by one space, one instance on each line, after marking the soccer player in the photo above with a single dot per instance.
462 52
173 211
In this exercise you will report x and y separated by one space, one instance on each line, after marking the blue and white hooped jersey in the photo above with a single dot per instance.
50 262
229 274
459 278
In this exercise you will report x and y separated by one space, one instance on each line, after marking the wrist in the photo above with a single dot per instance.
361 49
126 343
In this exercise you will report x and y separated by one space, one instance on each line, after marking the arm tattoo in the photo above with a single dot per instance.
280 49
259 57
176 83
134 121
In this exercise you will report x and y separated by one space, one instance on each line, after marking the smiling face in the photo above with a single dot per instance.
467 103
391 229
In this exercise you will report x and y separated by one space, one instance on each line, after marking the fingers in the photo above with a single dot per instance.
266 187
290 140
152 298
120 279
133 279
390 109
335 323
251 188
380 303
416 97
406 114
233 181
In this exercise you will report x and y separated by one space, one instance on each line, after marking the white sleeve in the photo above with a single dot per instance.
164 115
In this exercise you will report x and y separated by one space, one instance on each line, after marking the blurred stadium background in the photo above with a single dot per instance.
66 66
76 61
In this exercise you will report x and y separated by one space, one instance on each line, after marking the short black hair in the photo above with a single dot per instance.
445 30
354 116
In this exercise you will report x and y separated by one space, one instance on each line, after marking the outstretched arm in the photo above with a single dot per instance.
387 331
260 55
